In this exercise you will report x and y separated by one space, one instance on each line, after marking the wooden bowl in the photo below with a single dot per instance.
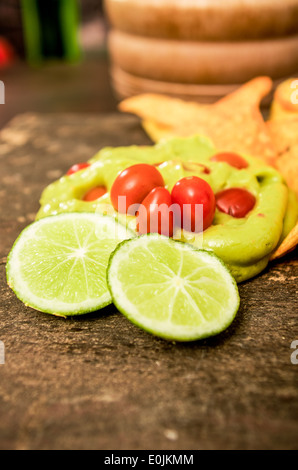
200 49
126 85
212 20
191 62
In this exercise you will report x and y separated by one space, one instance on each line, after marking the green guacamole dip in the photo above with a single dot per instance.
244 244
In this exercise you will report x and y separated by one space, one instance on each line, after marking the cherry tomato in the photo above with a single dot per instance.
95 193
187 194
6 53
77 167
132 186
236 202
233 159
154 214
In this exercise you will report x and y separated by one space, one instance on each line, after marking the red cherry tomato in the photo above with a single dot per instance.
132 186
95 193
77 167
154 214
236 202
233 159
6 53
187 194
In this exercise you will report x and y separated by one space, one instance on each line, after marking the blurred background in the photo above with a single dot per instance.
85 55
54 67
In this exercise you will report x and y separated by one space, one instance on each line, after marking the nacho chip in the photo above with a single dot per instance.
250 94
287 165
234 123
288 245
277 112
284 134
157 131
241 127
162 109
285 100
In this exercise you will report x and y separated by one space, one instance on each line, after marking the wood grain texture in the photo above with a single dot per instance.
99 382
205 62
213 20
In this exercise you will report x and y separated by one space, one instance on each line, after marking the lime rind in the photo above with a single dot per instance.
160 303
67 277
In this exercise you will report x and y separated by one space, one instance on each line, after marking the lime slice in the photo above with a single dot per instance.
171 289
58 264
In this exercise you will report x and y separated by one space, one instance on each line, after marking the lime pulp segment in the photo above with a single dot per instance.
171 289
58 264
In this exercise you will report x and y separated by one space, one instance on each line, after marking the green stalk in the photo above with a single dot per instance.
36 31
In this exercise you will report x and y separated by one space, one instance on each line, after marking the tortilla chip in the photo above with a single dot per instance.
285 100
287 165
277 112
157 131
162 109
284 134
288 245
250 94
234 123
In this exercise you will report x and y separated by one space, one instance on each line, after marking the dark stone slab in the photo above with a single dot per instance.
99 382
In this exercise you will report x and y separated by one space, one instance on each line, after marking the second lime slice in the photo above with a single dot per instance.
171 289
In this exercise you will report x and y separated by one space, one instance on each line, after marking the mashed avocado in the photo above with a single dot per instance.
244 244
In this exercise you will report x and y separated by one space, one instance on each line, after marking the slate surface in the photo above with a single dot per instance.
99 382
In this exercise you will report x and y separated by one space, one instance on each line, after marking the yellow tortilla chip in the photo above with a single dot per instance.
287 165
288 245
157 131
284 134
234 123
162 109
285 100
277 112
250 94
